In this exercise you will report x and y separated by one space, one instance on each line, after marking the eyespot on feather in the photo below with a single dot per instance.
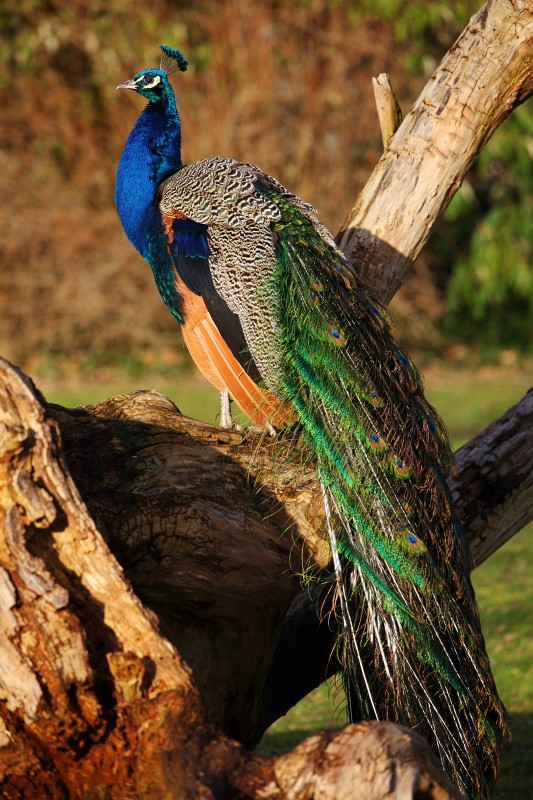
346 276
411 543
400 468
376 442
336 336
371 396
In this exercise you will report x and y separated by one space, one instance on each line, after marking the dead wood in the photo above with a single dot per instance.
485 75
94 700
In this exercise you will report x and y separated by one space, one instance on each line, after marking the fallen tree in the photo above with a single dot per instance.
152 621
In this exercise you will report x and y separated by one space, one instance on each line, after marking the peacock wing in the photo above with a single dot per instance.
204 208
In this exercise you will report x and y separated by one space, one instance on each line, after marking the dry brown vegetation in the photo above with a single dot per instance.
285 85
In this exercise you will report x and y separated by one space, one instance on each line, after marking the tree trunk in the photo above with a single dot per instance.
118 512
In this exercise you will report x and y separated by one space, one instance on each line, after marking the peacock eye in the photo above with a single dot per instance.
150 81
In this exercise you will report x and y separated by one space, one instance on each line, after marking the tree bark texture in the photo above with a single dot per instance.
214 527
94 701
83 658
150 601
486 73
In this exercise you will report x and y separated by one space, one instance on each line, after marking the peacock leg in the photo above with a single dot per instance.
226 417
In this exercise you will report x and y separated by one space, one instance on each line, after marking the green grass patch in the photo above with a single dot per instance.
193 396
504 589
468 401
323 709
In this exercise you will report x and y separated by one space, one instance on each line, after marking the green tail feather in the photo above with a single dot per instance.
382 453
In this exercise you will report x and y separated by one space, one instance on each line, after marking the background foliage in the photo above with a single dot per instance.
283 84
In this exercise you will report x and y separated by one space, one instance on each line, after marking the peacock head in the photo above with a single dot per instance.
153 83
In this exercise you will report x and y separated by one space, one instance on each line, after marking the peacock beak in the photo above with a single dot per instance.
128 85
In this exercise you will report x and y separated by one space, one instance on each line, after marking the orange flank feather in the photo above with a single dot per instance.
217 363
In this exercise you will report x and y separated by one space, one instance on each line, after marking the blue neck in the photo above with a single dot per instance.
152 151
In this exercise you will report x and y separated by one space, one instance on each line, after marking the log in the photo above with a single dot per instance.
493 484
205 522
94 700
205 534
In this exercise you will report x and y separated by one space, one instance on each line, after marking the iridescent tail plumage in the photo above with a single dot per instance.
409 633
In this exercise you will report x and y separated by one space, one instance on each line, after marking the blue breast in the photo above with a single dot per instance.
152 151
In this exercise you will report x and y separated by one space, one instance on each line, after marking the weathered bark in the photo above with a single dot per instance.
76 641
493 486
212 529
487 73
95 702
206 522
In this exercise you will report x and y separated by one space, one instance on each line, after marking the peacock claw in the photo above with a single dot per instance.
271 430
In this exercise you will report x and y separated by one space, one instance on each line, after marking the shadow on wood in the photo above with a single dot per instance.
94 699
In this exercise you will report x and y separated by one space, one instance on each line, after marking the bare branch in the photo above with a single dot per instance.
388 108
493 487
487 73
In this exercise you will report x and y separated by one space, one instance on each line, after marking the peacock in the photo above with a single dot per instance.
277 319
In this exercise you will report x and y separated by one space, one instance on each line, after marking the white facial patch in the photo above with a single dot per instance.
154 82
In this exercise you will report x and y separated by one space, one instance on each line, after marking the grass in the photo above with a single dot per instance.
467 401
189 391
504 589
